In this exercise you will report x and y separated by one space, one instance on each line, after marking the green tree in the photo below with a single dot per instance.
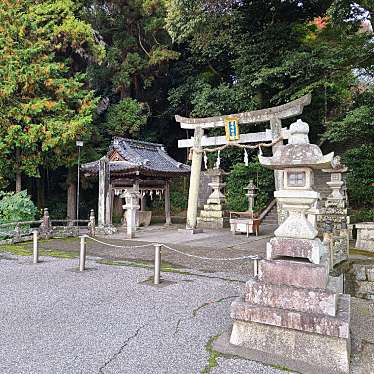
138 56
44 104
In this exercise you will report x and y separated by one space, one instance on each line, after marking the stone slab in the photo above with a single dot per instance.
308 322
190 231
217 207
293 273
292 298
211 214
290 247
295 350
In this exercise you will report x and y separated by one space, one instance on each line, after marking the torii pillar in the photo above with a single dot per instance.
193 194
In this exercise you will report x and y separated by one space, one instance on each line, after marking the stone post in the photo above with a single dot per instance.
167 203
193 195
103 190
91 223
131 206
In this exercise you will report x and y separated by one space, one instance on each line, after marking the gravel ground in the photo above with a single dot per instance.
107 320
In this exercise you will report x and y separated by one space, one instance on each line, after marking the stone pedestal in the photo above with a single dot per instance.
365 236
212 216
287 311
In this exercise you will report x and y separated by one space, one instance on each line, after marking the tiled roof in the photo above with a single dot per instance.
147 158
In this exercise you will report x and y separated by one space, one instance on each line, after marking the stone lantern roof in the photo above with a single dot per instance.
298 152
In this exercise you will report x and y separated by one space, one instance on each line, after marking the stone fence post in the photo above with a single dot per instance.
91 224
46 226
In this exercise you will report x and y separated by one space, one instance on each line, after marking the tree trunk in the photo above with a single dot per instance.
18 182
18 173
40 191
71 209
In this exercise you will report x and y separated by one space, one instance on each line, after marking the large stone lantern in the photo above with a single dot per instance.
287 314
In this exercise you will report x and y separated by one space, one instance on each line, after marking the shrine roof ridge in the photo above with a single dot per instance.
126 156
287 110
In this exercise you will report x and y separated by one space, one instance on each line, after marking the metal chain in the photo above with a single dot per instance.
212 258
119 246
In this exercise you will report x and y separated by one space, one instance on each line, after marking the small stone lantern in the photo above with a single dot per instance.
131 206
251 194
211 217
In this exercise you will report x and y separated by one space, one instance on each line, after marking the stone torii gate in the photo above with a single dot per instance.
273 115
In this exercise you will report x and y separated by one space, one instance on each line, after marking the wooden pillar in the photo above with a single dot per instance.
103 189
193 194
142 203
167 203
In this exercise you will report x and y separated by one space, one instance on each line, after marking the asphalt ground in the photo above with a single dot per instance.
108 319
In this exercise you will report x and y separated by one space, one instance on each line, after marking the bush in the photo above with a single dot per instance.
16 207
178 200
360 162
239 178
361 215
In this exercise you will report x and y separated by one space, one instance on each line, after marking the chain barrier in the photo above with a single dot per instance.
176 250
212 258
119 246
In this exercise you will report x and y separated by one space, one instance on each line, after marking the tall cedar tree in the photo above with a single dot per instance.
44 104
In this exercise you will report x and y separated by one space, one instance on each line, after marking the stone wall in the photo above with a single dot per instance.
359 279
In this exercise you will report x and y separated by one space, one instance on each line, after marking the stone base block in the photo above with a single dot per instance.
292 298
302 248
365 236
308 322
216 207
211 214
300 351
190 231
210 223
294 273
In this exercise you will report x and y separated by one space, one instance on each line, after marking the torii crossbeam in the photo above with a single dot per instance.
273 115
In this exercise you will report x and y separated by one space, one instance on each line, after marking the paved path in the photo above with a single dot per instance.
107 320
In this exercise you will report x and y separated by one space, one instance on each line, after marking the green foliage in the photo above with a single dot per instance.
178 200
44 105
239 178
126 117
360 161
362 215
16 207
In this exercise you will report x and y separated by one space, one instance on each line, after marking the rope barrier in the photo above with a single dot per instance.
234 144
212 258
119 246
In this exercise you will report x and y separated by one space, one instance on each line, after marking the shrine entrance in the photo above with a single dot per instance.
200 143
